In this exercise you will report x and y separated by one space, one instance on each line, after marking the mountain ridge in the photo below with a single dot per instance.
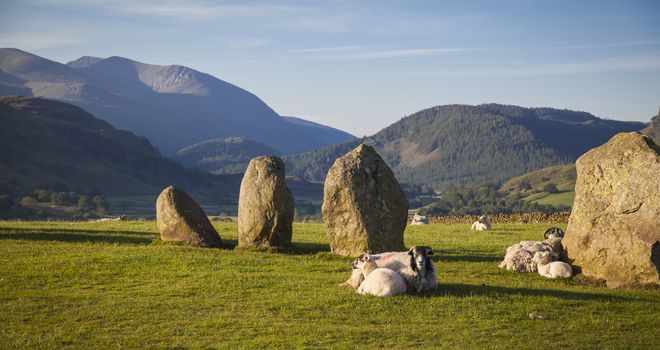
172 105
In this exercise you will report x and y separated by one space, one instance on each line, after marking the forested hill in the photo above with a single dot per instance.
44 142
461 144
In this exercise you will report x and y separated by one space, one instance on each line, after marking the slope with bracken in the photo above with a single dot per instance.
459 144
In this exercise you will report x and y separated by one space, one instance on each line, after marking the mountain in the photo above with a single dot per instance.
324 134
44 142
653 130
466 145
230 155
173 106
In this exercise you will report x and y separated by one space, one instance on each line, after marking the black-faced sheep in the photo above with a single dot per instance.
418 276
519 257
378 281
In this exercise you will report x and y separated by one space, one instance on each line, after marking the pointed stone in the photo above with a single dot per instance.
364 207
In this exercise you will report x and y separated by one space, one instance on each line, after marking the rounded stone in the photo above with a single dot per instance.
265 205
180 218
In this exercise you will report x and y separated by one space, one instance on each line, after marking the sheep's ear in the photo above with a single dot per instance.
428 251
411 251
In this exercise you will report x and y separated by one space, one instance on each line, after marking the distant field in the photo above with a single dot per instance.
144 206
109 285
562 198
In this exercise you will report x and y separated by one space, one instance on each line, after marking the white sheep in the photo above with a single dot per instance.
551 269
417 279
419 220
378 281
481 225
520 255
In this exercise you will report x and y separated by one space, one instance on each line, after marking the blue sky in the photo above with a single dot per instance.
362 65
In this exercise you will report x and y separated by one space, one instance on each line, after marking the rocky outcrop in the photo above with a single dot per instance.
614 229
265 205
653 130
364 208
179 218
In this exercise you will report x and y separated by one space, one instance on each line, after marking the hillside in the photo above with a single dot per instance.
537 186
173 106
653 130
230 155
44 142
325 134
460 144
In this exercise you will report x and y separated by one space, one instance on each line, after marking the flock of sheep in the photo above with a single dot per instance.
393 273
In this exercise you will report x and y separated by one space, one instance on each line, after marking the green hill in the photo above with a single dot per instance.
44 142
230 155
534 186
467 145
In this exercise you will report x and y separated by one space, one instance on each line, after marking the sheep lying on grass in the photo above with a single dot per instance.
378 281
551 269
519 257
415 266
481 225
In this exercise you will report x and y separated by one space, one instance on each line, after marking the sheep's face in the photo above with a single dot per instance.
420 258
541 258
482 219
360 261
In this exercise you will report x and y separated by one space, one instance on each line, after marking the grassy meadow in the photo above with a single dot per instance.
114 285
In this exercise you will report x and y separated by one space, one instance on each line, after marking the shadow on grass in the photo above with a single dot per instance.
76 235
466 290
469 258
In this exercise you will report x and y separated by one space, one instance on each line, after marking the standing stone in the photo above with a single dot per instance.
364 208
265 205
614 229
179 218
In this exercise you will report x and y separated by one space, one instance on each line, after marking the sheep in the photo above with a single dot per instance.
418 278
520 255
551 269
378 281
420 275
419 220
481 225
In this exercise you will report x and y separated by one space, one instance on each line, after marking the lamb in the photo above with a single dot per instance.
419 220
414 266
378 281
520 255
481 225
551 269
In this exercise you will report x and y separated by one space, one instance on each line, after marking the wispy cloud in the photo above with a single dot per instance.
616 64
367 52
243 42
606 45
183 9
38 41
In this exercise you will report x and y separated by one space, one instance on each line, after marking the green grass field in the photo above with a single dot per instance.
112 285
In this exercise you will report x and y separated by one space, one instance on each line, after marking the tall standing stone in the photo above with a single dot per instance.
265 205
364 207
179 218
614 229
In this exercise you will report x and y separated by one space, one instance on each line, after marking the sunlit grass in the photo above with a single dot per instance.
107 285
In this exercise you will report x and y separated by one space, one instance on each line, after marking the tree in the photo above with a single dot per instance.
6 202
101 204
550 188
85 203
59 198
42 195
